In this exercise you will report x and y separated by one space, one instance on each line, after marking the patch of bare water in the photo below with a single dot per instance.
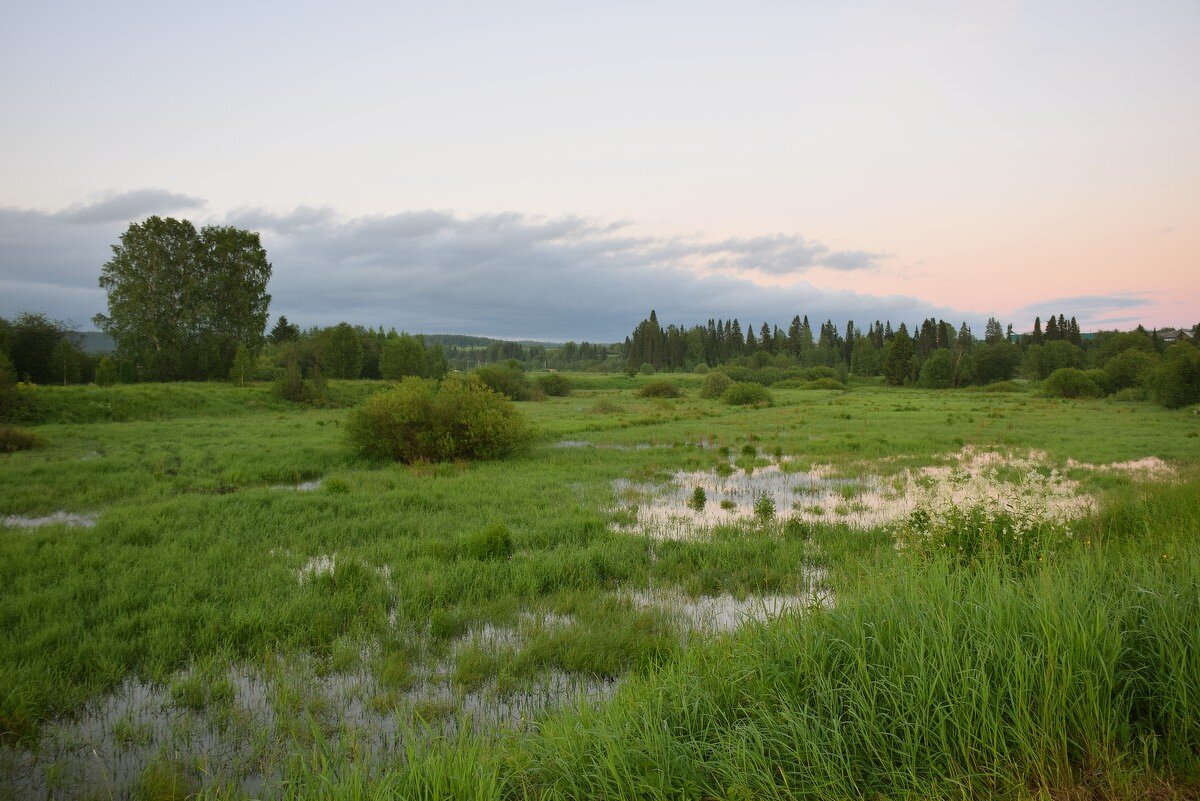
301 486
726 612
694 502
69 519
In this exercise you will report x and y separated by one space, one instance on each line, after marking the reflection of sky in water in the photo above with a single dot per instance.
867 502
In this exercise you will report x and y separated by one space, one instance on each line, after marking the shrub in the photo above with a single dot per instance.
647 369
1129 368
464 419
555 385
1070 382
819 383
701 369
106 372
1130 395
1176 382
819 372
659 389
292 385
10 397
1000 386
1101 379
17 439
714 385
747 394
605 406
507 380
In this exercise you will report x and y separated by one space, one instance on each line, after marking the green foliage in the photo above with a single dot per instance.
341 351
1130 367
403 356
1100 379
491 542
34 344
899 362
996 361
647 369
698 500
163 780
106 372
463 419
17 439
506 379
13 402
1176 382
283 331
242 369
180 301
938 370
1070 382
555 385
714 385
1042 360
660 389
819 383
746 394
764 507
292 384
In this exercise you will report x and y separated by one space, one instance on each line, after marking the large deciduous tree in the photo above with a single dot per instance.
181 301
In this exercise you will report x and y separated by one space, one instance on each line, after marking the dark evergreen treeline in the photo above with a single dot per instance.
933 354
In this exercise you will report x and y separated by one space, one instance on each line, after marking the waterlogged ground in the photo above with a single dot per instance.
214 590
755 487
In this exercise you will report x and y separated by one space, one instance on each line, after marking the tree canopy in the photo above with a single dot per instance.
181 301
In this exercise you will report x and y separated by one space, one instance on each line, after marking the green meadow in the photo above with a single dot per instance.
226 600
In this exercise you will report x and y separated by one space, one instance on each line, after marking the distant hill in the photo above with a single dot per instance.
96 342
465 341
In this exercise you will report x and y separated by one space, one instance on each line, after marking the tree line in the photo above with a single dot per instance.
933 354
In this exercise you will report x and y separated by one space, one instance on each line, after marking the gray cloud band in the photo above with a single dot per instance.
503 274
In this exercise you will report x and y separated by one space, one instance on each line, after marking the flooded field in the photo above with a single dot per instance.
692 503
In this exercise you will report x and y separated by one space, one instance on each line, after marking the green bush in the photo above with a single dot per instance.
1071 382
464 419
747 394
292 385
507 380
647 369
555 385
1130 368
819 383
1101 379
659 389
1176 382
714 385
106 372
17 439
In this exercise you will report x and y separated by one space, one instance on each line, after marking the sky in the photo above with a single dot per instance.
555 170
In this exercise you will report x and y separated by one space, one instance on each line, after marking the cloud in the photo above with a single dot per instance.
504 274
126 206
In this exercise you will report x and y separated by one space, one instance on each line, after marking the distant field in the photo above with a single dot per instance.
659 598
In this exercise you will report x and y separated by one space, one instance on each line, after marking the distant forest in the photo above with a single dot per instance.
931 353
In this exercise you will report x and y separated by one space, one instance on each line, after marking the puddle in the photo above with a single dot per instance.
301 486
321 565
244 737
69 519
578 443
722 613
989 478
